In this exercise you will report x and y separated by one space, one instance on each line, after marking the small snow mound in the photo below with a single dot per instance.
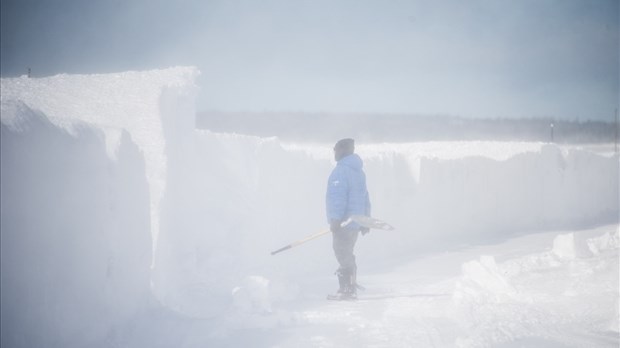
565 247
482 278
253 296
608 241
253 305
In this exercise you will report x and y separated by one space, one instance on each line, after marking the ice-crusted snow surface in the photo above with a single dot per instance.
91 163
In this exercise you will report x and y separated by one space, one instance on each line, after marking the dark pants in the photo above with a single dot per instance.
344 242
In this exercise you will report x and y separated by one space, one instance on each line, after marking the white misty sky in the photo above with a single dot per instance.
478 58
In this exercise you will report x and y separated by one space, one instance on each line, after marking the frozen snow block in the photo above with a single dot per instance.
567 247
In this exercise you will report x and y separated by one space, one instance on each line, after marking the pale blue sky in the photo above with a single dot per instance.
478 58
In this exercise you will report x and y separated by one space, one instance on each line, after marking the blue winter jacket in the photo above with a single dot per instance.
346 191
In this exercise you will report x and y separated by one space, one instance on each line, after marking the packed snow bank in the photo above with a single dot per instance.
84 161
228 204
482 197
75 227
155 107
232 199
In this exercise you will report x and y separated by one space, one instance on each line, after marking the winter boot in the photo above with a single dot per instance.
347 289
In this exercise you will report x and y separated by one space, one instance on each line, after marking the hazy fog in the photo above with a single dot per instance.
550 58
122 225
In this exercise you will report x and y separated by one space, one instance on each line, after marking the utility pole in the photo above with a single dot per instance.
616 133
551 125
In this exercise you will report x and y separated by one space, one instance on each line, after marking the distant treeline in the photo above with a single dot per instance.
325 127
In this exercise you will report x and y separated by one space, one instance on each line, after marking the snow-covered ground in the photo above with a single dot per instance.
553 289
124 226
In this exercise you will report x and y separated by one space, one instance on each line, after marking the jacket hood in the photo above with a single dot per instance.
352 161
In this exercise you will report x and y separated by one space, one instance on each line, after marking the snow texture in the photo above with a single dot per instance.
116 209
76 240
557 295
154 107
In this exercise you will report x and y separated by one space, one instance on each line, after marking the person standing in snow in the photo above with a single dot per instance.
346 195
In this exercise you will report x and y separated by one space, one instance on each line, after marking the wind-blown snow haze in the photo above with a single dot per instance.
156 154
122 224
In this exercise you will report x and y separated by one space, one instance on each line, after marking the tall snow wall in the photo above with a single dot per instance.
155 107
75 231
219 203
460 197
83 173
232 199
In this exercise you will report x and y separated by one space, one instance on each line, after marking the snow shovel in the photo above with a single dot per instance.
361 220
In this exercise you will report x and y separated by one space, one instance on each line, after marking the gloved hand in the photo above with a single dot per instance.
364 230
334 226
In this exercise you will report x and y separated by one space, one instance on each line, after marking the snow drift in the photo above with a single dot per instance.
217 204
538 295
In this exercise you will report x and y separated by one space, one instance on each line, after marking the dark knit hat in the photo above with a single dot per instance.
345 145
